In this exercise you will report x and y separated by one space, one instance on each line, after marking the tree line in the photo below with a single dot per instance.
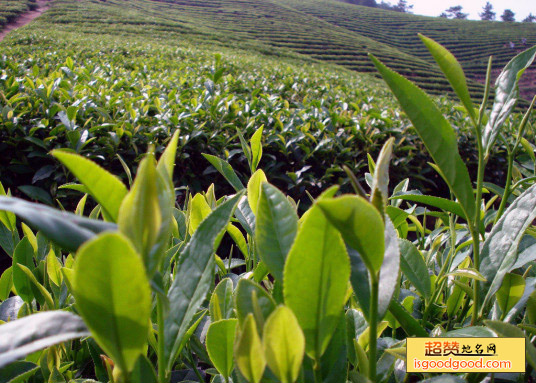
455 12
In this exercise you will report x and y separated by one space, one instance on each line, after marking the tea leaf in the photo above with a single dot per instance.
113 296
511 291
408 323
194 276
453 72
499 251
438 202
284 344
140 216
248 351
66 229
251 298
24 336
254 189
436 133
361 227
106 188
316 279
220 342
226 170
414 268
506 94
380 180
221 302
256 148
390 269
277 224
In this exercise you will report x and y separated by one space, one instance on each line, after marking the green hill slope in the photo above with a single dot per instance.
326 30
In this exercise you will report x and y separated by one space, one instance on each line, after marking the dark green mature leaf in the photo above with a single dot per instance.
499 252
18 372
37 194
66 229
414 268
390 269
194 276
251 298
361 226
316 280
113 296
436 133
277 224
408 323
36 332
438 202
506 94
221 302
220 343
143 371
226 170
106 188
359 278
511 291
453 72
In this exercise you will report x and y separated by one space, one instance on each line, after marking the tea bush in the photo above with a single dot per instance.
244 288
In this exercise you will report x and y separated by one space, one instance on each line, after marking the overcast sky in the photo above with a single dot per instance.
521 8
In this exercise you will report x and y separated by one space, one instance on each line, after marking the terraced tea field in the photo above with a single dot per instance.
326 30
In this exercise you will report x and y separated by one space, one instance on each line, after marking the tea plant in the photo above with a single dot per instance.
244 288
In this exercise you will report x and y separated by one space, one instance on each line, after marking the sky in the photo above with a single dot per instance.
521 8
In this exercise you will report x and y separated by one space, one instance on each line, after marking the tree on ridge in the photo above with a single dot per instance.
487 12
508 16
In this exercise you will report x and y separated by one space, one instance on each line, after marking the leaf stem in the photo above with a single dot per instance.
161 337
373 326
317 371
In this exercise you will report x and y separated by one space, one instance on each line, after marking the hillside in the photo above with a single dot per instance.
326 30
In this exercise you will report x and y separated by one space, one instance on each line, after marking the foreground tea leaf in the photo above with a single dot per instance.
436 133
453 72
284 344
106 188
221 302
499 252
18 372
511 291
248 351
145 216
66 229
254 189
194 276
506 94
277 224
114 297
414 268
251 298
317 262
390 269
361 227
220 342
36 332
